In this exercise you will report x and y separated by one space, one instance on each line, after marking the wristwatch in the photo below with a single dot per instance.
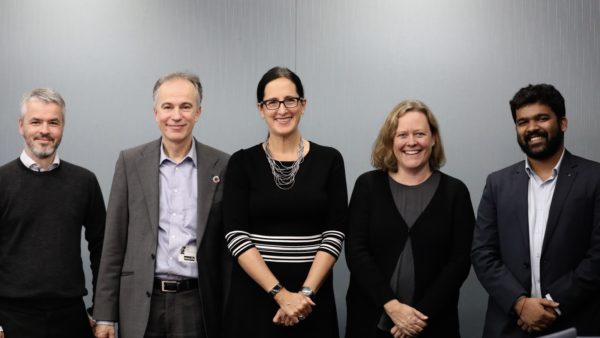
275 289
308 292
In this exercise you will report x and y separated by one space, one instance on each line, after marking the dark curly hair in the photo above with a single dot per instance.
540 93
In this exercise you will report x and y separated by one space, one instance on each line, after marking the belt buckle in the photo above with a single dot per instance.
169 285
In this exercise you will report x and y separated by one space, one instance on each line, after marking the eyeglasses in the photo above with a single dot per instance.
288 102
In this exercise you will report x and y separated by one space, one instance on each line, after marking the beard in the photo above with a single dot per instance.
550 148
42 152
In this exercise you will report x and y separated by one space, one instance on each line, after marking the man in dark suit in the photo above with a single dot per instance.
160 270
536 244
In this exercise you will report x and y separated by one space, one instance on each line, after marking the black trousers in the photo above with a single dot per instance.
44 318
175 315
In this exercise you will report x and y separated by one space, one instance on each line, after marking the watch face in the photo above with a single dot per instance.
308 292
275 290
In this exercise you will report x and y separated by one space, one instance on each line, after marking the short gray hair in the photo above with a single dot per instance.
47 95
193 78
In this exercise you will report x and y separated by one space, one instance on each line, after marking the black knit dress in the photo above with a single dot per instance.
288 227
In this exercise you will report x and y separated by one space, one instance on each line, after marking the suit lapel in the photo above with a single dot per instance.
521 186
208 181
566 177
147 170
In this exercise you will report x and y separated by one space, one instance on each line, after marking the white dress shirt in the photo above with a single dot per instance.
539 198
31 164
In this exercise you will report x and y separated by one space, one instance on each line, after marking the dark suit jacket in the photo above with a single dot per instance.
125 282
570 262
441 242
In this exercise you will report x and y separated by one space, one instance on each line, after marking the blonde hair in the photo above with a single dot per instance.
383 156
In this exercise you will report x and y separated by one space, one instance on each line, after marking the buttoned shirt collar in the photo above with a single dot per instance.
555 170
191 154
31 164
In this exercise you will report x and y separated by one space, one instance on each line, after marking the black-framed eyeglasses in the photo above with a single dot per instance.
288 102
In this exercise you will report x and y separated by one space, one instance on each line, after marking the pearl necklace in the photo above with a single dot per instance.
285 176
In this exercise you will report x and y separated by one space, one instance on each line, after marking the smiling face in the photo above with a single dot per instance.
281 121
539 132
176 111
42 128
413 142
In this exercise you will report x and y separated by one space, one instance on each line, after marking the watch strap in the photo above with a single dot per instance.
275 289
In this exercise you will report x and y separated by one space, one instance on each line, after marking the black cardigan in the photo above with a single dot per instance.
441 241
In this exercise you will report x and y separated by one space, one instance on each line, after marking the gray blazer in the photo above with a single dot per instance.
570 262
125 282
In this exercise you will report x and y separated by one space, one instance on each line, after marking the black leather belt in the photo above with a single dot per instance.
175 285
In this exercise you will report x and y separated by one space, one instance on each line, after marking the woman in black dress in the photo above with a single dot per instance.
285 205
409 234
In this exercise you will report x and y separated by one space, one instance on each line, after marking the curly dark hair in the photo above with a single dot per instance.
540 93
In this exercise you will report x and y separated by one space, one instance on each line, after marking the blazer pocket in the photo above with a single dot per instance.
126 273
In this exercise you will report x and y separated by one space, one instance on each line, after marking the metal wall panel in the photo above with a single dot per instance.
465 59
357 59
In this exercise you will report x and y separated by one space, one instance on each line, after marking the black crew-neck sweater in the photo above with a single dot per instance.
41 218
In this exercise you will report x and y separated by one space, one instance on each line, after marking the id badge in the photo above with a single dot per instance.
187 254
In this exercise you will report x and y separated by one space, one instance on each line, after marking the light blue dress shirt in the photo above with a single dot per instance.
178 216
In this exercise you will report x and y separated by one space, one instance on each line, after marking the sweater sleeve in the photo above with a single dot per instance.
363 268
333 235
94 226
235 206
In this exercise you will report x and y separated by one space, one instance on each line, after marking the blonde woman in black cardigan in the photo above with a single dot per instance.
409 235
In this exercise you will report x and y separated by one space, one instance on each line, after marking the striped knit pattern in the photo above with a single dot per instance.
286 249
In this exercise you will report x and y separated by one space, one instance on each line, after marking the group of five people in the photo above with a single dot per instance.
195 243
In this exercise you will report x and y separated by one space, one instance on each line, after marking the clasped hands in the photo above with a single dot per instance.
293 307
535 314
408 321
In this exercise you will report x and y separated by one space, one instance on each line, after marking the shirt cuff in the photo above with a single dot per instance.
105 322
556 309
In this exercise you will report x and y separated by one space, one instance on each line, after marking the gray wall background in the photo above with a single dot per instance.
357 59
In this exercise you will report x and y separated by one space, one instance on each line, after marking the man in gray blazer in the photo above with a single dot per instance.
160 272
536 244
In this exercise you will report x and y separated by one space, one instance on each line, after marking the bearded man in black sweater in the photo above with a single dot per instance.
44 202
